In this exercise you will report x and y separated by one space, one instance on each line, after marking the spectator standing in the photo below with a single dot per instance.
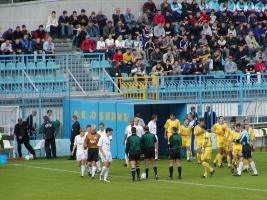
75 130
210 118
50 139
30 123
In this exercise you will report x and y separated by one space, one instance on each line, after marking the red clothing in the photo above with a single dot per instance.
259 67
192 21
88 44
159 19
204 17
117 57
39 34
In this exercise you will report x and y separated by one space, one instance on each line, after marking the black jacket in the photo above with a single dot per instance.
21 130
49 130
75 130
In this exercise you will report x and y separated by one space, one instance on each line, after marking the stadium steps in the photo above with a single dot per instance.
62 47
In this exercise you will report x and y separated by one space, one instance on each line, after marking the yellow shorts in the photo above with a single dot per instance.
228 147
237 150
206 155
199 144
186 141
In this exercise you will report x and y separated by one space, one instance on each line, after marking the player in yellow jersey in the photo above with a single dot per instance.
170 123
186 131
206 155
229 136
237 147
250 131
199 136
219 129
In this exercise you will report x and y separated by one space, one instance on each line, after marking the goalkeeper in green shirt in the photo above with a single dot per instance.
149 148
175 153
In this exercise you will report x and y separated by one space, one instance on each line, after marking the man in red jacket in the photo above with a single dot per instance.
40 33
118 56
88 45
159 18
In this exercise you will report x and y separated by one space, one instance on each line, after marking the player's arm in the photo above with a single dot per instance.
85 144
100 144
74 146
166 129
125 136
156 145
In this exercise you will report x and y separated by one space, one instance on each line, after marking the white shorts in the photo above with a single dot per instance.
107 157
81 155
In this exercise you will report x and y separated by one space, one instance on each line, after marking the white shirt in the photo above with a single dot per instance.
79 142
152 127
104 143
109 42
100 45
101 132
141 122
4 47
119 44
139 130
128 131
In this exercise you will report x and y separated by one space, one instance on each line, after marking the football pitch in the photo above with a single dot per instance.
60 180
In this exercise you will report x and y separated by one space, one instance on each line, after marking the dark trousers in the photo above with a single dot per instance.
27 145
50 144
71 147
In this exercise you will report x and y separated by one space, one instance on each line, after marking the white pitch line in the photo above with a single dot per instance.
165 181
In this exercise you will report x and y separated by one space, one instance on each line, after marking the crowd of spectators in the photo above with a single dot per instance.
175 37
21 41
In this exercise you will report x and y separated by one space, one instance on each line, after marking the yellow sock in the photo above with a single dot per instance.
198 157
220 157
188 153
228 159
204 164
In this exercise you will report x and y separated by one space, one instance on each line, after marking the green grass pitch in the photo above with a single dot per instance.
60 180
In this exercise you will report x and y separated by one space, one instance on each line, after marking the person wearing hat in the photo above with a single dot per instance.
21 133
49 136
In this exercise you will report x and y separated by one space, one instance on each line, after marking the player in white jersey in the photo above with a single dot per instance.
141 121
104 148
101 132
152 125
139 129
81 153
128 133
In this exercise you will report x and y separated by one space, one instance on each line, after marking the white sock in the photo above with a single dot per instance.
82 170
93 171
239 169
103 171
98 165
90 170
106 174
126 159
253 167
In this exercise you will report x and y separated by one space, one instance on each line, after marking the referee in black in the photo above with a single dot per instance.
49 136
75 130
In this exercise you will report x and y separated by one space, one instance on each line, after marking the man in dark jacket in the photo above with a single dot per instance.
75 130
64 22
30 124
210 118
49 136
21 133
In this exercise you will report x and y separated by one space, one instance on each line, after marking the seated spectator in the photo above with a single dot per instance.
232 31
259 66
110 44
129 19
17 34
101 21
25 31
121 29
168 68
127 59
217 61
115 70
214 5
92 30
83 19
230 66
109 30
88 45
92 18
49 47
241 57
156 56
101 45
159 31
8 35
129 42
118 16
38 46
16 46
259 7
136 55
138 69
52 24
249 69
203 40
149 47
119 43
137 30
253 45
159 18
169 30
118 56
185 67
40 33
157 70
168 56
6 48
65 26
81 36
74 22
26 44
165 7
143 19
150 8
176 8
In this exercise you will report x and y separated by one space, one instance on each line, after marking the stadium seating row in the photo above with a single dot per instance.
29 66
38 79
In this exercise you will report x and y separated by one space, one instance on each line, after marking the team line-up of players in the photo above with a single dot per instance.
233 141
